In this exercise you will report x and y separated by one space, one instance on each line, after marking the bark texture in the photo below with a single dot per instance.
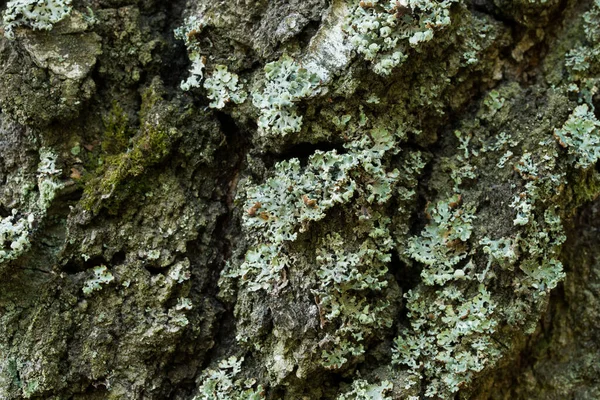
299 199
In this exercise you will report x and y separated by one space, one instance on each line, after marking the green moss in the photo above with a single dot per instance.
120 173
117 130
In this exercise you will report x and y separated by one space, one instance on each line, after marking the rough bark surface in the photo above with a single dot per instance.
299 199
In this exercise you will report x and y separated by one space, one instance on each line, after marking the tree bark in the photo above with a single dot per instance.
299 199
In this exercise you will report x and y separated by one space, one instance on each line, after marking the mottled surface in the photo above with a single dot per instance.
347 200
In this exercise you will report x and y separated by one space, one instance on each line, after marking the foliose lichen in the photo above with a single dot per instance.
580 135
14 235
224 384
223 87
347 279
16 229
363 390
188 32
285 204
34 14
286 83
351 285
450 339
384 31
295 196
47 178
442 244
102 276
582 62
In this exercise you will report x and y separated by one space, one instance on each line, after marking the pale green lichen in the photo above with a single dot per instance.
102 276
441 245
223 87
523 203
450 338
494 102
16 229
351 282
443 354
34 14
370 151
580 135
542 277
177 317
542 243
347 279
262 268
504 159
363 390
196 72
539 170
295 196
285 204
504 251
48 183
384 31
192 27
286 83
582 62
221 383
14 235
461 167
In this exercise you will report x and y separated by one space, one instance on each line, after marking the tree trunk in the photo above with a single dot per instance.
299 199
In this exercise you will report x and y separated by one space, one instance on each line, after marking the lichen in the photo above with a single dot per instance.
224 384
449 340
34 14
583 61
351 286
188 33
442 244
347 279
14 235
17 228
286 83
384 31
285 204
223 87
289 201
102 276
439 180
504 251
363 390
580 135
